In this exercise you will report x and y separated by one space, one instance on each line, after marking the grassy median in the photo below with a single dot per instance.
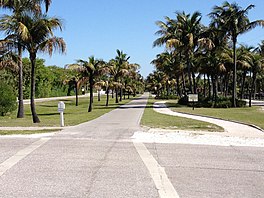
249 115
154 119
27 132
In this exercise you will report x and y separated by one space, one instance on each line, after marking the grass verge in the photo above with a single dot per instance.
154 119
26 132
73 115
250 115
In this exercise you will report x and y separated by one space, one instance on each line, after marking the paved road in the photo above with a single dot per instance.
255 102
98 159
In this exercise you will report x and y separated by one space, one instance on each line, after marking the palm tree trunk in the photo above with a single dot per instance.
243 84
183 83
32 94
234 94
107 96
214 88
124 95
20 112
204 87
116 90
194 82
121 94
99 95
209 86
91 93
253 86
189 76
76 93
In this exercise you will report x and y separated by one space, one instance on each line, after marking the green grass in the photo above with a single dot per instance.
157 120
49 116
26 132
249 115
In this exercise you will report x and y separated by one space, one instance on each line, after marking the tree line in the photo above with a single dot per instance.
207 59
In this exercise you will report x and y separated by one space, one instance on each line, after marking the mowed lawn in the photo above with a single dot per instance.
154 119
50 117
250 115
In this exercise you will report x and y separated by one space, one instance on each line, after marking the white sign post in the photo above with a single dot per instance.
193 98
61 107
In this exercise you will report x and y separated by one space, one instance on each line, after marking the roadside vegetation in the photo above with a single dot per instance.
206 59
27 132
154 119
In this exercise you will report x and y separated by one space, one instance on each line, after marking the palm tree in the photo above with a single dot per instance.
12 25
7 58
117 68
76 78
184 34
257 65
130 78
244 62
40 38
209 62
109 86
94 68
233 20
19 6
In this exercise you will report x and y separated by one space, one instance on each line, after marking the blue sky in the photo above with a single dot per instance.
100 27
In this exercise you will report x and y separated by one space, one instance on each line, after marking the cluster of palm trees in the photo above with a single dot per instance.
28 28
194 50
117 75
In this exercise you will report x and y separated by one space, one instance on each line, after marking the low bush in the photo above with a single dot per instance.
183 100
7 99
169 97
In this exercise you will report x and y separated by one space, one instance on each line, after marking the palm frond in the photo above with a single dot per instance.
53 44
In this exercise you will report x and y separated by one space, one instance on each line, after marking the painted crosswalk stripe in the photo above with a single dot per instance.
10 162
158 174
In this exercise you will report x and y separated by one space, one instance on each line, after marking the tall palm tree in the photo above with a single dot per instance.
12 25
233 20
40 38
94 68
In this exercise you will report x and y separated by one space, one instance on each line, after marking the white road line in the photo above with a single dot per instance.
10 162
158 174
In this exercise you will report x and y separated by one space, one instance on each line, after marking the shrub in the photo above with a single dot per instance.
169 97
183 100
241 103
7 99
